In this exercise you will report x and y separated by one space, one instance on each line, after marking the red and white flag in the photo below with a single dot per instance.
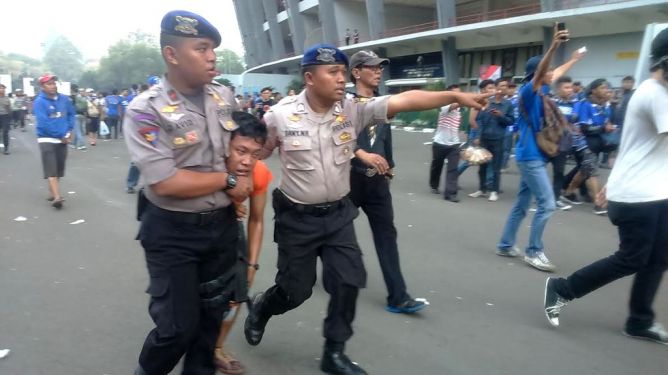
490 72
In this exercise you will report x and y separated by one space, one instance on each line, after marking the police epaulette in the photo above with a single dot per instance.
288 100
154 91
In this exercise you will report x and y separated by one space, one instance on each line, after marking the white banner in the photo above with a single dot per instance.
6 80
28 88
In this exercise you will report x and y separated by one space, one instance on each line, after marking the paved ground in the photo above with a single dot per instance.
72 296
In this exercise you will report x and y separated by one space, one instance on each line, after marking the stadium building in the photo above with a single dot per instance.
450 40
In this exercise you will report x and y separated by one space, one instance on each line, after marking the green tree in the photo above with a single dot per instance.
128 62
228 62
64 60
296 84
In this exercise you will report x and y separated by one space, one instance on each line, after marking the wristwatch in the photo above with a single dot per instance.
255 266
231 181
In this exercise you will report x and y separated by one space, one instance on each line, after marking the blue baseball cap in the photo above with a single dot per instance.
153 80
531 66
324 54
189 25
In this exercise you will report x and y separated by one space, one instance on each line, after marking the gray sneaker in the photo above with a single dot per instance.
540 262
512 252
654 333
552 302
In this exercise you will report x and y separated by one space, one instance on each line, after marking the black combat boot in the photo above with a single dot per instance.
335 362
255 321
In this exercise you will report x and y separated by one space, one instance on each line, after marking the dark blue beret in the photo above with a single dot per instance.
324 54
189 25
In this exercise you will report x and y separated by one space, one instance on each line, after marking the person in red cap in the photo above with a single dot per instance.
56 117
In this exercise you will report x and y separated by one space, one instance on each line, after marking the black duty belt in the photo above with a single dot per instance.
369 172
318 209
195 218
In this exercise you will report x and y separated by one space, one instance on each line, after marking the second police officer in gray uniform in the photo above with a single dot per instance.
316 134
177 133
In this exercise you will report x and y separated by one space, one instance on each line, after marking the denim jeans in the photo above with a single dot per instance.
464 165
133 176
507 148
79 132
533 181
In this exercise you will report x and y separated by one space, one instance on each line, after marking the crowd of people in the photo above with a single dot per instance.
199 150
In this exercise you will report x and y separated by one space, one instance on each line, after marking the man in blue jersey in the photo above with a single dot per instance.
114 111
534 180
56 117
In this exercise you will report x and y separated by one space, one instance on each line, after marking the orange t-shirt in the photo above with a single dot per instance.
261 178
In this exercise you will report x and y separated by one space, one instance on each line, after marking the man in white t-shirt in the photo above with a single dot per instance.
637 191
446 147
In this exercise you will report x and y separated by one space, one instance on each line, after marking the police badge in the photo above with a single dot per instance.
326 55
186 25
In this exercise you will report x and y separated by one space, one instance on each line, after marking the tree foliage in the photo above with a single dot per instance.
64 59
19 66
130 61
228 62
296 84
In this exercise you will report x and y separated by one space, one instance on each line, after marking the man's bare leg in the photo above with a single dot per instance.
55 192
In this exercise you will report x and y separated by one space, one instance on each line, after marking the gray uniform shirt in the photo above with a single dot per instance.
165 132
5 105
315 149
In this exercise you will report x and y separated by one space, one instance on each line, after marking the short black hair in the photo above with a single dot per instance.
144 86
134 86
267 88
502 79
563 79
577 83
169 40
628 78
249 126
452 87
485 83
595 84
114 92
308 69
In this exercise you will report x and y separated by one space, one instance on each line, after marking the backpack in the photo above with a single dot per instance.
553 126
81 105
92 109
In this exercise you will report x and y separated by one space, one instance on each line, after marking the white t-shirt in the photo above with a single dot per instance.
447 131
640 173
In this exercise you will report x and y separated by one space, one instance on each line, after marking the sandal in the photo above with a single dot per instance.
58 203
227 364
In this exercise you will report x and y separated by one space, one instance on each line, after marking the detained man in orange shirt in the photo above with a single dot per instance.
244 150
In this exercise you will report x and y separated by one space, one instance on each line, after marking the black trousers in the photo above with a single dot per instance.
439 154
643 251
181 256
302 236
19 118
558 166
5 123
495 146
112 124
372 194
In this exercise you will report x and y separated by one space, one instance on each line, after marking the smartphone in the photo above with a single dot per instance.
561 26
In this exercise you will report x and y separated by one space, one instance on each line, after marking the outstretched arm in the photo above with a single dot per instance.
418 100
544 65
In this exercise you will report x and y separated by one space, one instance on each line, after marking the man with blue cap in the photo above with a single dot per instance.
178 134
316 133
531 161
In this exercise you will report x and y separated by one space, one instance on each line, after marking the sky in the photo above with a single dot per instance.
94 26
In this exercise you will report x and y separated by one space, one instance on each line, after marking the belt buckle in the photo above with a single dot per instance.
206 217
322 210
370 172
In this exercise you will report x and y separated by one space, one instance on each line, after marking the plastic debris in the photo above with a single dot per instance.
410 225
4 353
71 192
75 222
489 304
20 218
427 143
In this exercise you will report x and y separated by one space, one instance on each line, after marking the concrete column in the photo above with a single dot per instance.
296 22
328 22
257 20
376 13
446 12
241 9
450 60
485 9
277 44
382 89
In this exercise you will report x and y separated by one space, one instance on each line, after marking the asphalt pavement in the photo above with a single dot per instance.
72 282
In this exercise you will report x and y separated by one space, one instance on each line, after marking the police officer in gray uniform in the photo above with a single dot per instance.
177 134
316 134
